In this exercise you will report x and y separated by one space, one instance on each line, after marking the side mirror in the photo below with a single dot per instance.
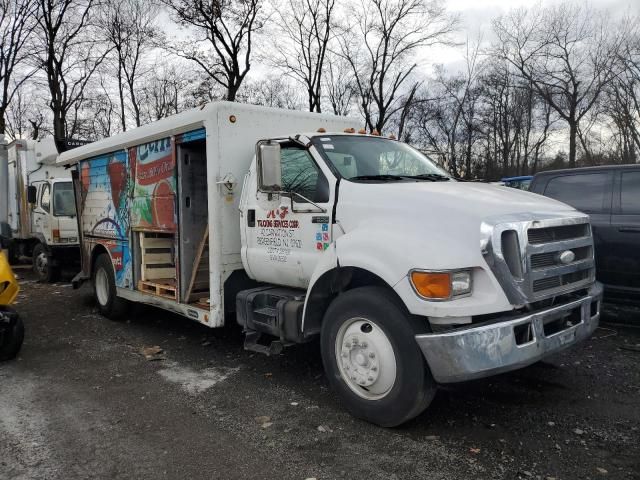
269 167
32 194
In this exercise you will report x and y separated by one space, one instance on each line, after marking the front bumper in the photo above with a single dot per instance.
486 350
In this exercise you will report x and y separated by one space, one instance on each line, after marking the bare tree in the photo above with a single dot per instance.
71 51
164 92
567 53
447 116
25 116
339 85
273 91
222 38
307 26
379 44
131 30
17 21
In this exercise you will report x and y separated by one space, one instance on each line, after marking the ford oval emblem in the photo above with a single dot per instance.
567 257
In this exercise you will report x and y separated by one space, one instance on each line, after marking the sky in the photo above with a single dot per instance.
476 17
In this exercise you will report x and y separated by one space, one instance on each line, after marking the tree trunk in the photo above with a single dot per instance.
573 133
123 118
58 129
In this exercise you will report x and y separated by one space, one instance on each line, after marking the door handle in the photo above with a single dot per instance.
629 229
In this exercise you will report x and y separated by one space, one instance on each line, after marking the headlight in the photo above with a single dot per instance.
441 285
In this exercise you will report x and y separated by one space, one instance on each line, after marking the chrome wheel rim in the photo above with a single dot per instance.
365 358
42 264
102 287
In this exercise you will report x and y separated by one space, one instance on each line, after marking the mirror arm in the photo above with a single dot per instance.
293 209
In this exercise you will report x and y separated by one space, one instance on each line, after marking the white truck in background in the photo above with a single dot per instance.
37 207
297 227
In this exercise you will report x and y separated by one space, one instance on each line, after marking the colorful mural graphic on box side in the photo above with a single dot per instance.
106 186
154 192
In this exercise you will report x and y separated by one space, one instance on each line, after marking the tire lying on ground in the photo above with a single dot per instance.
11 334
103 281
371 357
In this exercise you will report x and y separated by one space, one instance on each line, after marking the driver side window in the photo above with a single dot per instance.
45 198
301 175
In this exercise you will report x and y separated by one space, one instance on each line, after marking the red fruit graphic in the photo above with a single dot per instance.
118 177
85 178
162 205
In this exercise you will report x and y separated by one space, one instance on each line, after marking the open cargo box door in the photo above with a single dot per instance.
193 215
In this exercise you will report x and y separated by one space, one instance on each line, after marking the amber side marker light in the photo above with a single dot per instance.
56 233
434 285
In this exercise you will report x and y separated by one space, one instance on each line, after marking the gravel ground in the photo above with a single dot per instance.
82 401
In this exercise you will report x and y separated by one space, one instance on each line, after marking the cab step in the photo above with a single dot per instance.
252 343
271 318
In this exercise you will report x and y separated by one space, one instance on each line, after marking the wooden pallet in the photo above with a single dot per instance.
157 257
165 288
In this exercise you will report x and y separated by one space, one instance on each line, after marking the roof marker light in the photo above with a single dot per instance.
321 130
350 130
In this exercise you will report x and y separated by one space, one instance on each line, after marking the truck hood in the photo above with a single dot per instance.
433 225
436 201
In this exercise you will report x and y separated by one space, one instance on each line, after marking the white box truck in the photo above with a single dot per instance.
37 208
301 228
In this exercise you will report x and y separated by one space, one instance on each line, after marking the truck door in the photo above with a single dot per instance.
590 192
285 238
40 213
625 231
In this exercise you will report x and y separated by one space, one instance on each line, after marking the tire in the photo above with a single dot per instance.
11 339
104 289
43 265
384 350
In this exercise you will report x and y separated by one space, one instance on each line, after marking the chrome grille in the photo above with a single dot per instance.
554 234
536 259
551 259
547 273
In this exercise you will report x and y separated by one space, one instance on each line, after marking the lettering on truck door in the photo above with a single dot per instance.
287 241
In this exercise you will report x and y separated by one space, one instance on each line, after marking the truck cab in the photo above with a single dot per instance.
53 222
297 227
37 211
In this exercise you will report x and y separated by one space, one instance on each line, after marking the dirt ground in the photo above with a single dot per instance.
82 401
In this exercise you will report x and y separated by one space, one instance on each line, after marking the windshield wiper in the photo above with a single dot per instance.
434 177
382 178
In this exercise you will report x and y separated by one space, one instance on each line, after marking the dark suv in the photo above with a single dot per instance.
611 197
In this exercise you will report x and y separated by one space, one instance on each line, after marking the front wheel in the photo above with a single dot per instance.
104 289
43 265
372 359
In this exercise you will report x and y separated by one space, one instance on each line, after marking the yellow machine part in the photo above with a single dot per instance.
8 284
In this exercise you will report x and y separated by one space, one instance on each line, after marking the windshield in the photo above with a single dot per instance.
360 158
64 203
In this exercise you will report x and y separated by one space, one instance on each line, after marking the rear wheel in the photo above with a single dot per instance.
11 336
372 359
104 289
43 264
